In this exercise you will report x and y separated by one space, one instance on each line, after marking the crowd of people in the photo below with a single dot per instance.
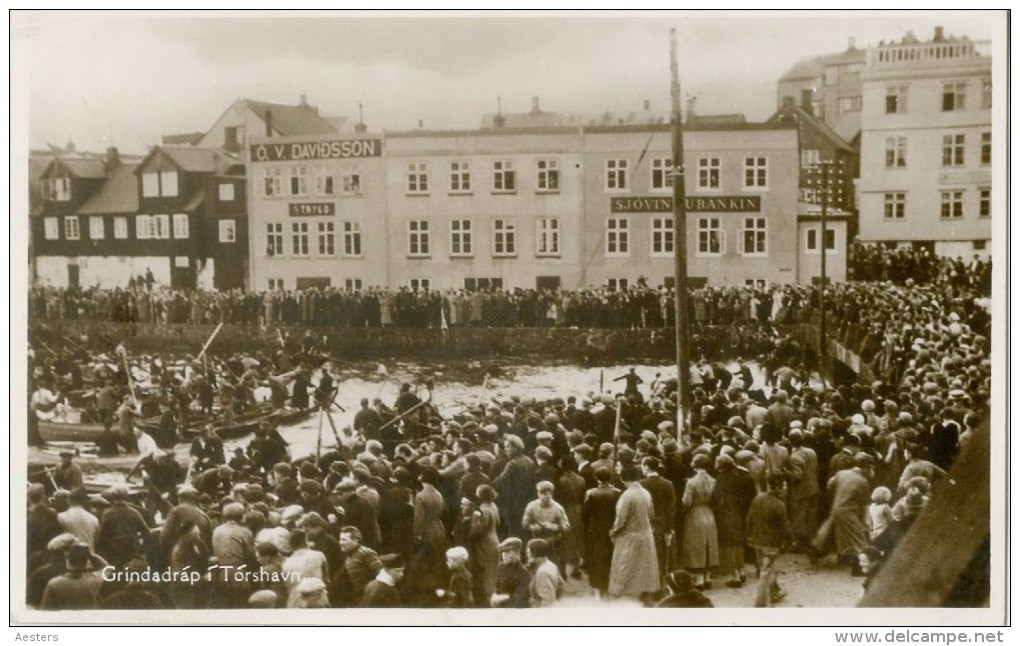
503 504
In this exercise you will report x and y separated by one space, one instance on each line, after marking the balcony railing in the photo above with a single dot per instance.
921 52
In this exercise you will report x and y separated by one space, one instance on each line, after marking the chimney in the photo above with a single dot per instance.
303 99
269 123
788 103
939 35
499 120
807 97
648 105
851 46
534 105
360 126
421 124
69 147
691 101
112 158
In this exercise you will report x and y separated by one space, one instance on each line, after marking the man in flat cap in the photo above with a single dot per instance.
67 475
514 485
513 580
121 529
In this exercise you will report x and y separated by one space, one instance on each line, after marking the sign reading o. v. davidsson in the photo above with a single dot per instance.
336 149
716 204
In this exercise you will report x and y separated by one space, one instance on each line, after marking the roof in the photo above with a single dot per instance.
118 194
539 119
715 119
184 138
805 117
293 120
84 168
190 159
814 66
708 125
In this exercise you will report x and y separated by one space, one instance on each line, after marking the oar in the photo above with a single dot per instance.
210 340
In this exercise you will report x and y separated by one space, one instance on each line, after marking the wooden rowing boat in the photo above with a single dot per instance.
88 460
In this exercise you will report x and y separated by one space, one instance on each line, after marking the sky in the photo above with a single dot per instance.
123 78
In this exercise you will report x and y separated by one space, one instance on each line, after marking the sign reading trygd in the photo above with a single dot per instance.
312 208
339 149
717 204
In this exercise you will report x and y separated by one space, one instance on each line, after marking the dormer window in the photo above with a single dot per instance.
159 184
57 189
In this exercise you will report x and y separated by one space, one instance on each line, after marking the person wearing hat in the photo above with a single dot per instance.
699 539
265 450
634 570
514 485
943 439
731 498
346 508
768 532
513 580
43 566
547 585
846 524
303 563
427 567
186 512
383 591
545 518
802 477
233 545
76 520
121 528
42 523
76 589
207 450
67 475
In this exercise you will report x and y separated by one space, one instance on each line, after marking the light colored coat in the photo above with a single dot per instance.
635 569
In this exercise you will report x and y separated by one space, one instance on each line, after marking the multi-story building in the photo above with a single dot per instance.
317 211
831 85
926 145
106 221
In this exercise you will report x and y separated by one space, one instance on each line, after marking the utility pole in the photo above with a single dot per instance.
823 340
679 243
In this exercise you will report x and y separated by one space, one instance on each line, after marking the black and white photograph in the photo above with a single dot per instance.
469 318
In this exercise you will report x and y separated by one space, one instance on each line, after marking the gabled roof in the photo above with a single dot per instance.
83 168
803 117
814 66
184 138
292 120
118 194
189 159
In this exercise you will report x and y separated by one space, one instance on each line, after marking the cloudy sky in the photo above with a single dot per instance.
125 78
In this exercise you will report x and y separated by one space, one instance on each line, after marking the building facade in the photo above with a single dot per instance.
317 212
926 146
831 86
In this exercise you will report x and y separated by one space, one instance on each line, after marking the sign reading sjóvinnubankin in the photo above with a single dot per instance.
337 149
715 204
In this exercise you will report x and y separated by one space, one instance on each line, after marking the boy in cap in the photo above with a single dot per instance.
513 580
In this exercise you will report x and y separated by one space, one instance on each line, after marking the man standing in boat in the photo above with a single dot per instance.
302 382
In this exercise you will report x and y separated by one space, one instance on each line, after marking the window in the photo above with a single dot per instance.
985 202
120 228
954 96
71 230
753 237
161 184
326 239
616 174
615 284
419 283
547 233
143 227
504 237
849 104
272 182
352 238
482 284
548 175
350 180
51 229
662 173
460 177
896 99
418 178
226 192
811 240
617 236
952 150
299 238
323 181
274 239
986 148
810 158
150 184
58 189
353 284
418 238
756 172
986 93
228 230
181 226
299 180
895 152
460 238
832 75
895 206
711 237
503 177
275 284
662 236
708 172
852 68
97 230
952 205
152 227
980 245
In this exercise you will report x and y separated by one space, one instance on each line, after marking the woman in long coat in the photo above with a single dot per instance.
485 545
598 516
700 549
427 569
731 498
635 568
570 492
